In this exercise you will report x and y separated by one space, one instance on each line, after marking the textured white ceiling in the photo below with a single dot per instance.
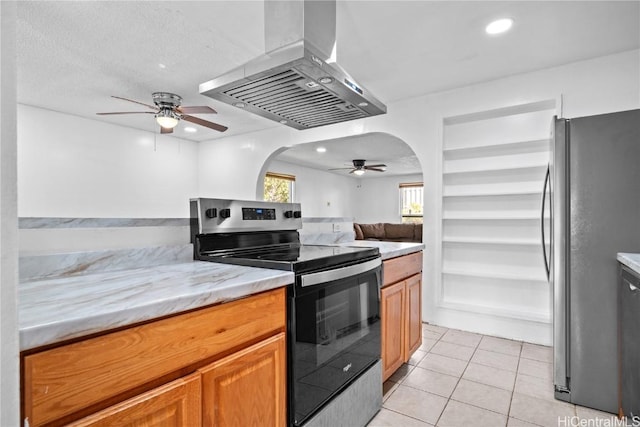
72 55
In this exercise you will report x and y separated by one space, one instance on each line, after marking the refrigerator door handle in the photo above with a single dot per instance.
542 205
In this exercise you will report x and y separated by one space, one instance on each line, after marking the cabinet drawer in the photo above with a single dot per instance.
396 269
73 377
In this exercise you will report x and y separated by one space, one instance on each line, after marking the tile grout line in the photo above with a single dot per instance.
458 382
515 378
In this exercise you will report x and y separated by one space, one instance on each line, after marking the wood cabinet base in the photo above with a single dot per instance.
401 311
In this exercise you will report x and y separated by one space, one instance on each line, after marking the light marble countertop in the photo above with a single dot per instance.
387 249
54 310
630 260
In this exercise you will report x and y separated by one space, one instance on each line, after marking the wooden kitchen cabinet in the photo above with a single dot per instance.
413 320
247 388
401 311
392 314
136 366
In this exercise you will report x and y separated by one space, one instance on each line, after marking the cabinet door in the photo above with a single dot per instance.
247 388
176 404
392 313
413 320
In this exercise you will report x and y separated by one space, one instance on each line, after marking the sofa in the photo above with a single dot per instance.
388 232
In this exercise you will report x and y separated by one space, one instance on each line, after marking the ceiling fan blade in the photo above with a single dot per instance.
381 165
203 109
338 169
205 123
166 130
126 112
369 168
153 107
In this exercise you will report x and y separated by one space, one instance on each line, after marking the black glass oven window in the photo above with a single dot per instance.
337 337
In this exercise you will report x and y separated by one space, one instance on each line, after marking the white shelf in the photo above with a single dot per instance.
490 192
505 167
495 275
498 311
480 148
487 241
493 215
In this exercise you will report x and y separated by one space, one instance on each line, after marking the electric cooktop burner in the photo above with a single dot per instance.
297 258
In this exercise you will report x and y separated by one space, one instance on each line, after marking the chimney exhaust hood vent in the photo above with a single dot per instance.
296 82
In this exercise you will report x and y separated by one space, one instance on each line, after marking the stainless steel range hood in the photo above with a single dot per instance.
295 82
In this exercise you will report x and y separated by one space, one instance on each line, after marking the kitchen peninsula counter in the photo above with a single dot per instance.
59 309
387 249
630 260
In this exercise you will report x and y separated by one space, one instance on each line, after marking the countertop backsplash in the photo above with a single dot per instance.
61 247
326 230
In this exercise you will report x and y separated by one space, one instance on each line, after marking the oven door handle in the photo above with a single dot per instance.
338 273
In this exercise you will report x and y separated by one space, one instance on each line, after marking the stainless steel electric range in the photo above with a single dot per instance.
333 313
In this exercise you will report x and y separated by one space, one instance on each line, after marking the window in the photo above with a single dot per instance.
411 202
278 187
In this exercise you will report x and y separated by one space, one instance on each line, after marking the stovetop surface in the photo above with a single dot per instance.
297 258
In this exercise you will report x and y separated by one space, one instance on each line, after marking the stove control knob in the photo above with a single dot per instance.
225 213
211 213
297 214
288 214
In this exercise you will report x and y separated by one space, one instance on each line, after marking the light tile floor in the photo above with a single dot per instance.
460 379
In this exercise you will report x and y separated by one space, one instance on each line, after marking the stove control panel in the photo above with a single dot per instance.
252 214
223 215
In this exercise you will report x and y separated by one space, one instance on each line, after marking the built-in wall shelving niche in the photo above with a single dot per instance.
494 163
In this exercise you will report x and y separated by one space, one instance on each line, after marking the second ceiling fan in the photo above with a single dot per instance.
360 166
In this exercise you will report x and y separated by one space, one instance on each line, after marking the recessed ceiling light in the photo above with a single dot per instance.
499 26
190 129
162 66
321 150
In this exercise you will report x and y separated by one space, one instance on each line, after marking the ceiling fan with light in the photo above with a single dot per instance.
359 167
168 112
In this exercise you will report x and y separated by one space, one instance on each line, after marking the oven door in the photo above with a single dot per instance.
334 333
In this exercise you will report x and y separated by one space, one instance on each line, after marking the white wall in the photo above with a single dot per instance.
594 86
9 365
378 199
322 194
70 166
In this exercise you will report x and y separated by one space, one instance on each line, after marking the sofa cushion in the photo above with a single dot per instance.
373 231
417 233
399 231
358 231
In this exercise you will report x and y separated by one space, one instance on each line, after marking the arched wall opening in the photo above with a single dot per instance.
372 197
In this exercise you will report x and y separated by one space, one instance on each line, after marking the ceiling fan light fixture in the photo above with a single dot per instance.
167 119
358 172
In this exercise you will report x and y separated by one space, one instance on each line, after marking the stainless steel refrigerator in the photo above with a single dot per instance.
592 202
